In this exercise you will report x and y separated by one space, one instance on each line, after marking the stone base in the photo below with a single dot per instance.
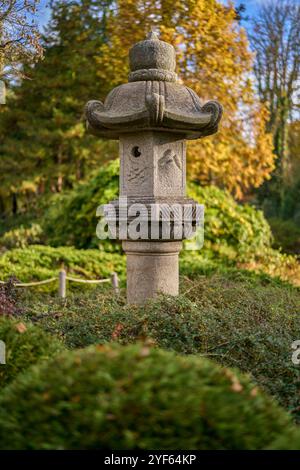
152 268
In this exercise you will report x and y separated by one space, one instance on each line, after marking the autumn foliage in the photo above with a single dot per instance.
43 144
213 58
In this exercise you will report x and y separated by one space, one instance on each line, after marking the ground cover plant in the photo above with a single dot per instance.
237 318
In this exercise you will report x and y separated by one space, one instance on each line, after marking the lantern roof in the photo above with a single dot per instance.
154 99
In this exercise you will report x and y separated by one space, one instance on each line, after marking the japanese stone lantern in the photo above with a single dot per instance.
152 116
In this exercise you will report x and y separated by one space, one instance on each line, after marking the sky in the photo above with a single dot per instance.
251 9
43 13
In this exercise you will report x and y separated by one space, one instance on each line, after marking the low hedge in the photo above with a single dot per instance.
38 262
25 345
136 397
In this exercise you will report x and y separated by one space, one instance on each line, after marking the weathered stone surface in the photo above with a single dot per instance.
152 165
152 54
158 105
152 268
153 100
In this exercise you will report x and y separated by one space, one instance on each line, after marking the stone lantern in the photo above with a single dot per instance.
152 116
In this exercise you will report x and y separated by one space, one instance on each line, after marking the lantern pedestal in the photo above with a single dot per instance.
152 268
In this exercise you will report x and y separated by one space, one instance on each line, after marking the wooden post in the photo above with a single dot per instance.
62 284
115 283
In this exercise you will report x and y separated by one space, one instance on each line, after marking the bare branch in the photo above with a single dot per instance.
19 35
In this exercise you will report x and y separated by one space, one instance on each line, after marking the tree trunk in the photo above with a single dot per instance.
14 204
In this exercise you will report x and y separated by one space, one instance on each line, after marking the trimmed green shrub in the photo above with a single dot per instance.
21 237
113 397
71 218
240 235
38 262
232 231
238 319
25 345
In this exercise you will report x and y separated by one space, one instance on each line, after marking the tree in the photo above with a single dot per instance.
290 198
213 58
294 151
276 41
43 143
19 36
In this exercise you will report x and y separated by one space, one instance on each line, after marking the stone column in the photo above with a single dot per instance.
152 268
152 173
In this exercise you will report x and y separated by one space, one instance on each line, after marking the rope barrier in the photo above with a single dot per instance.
30 284
62 278
38 283
87 281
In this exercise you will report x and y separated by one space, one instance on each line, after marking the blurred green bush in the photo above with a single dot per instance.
21 237
231 230
25 345
234 233
136 397
71 218
286 235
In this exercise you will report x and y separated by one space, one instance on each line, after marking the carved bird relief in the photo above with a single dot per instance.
169 158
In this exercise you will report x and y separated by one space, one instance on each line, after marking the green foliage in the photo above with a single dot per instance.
71 219
232 230
25 345
38 262
135 397
286 235
290 207
238 319
43 144
234 234
21 237
288 441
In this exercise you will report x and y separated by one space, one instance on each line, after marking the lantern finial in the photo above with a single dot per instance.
152 35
